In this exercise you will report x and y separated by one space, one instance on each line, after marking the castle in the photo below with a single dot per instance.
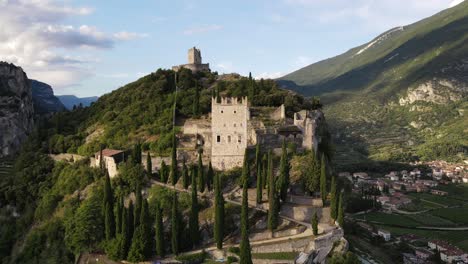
235 126
194 62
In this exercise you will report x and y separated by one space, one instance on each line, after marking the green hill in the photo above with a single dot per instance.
401 96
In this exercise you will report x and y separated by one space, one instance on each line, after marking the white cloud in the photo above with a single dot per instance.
224 67
455 2
202 29
34 36
302 61
269 75
125 35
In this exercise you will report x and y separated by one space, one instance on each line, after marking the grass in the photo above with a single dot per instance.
275 255
389 219
428 219
456 191
456 215
436 199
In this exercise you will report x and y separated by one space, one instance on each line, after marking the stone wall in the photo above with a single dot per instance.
286 246
229 121
305 213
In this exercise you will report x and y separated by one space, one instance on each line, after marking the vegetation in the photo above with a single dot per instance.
315 224
275 255
245 252
219 213
283 180
273 203
193 221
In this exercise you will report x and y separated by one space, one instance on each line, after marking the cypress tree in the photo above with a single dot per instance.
196 102
259 183
185 175
126 237
333 200
193 218
313 180
173 173
146 226
149 165
109 222
118 216
257 156
131 219
159 232
136 156
101 159
219 211
315 224
323 180
209 177
245 252
138 204
283 180
340 219
175 225
273 209
108 194
265 171
163 172
200 174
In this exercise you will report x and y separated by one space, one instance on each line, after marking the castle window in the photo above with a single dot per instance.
229 139
222 111
239 139
235 111
218 138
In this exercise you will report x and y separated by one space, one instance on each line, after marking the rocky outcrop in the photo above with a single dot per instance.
438 91
44 98
16 108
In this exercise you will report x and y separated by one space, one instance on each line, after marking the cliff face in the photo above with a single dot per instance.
44 99
16 108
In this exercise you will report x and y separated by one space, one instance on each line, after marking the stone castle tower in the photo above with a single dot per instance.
229 121
194 56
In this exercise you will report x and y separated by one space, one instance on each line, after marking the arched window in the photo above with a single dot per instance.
218 138
229 139
239 139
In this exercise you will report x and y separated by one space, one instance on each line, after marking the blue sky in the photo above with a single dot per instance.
92 47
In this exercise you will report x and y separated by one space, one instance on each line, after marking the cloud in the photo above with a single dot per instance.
269 75
225 67
302 61
455 2
125 35
34 35
202 29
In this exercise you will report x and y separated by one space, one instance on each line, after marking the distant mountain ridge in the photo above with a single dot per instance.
44 99
71 100
401 96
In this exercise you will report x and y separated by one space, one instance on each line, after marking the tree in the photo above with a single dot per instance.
136 155
163 172
273 209
108 206
209 176
175 225
313 178
259 183
131 220
265 170
139 242
101 158
159 231
257 156
193 218
219 213
196 102
126 236
138 204
315 224
323 180
340 219
333 199
185 175
118 216
283 180
245 254
201 174
149 165
173 173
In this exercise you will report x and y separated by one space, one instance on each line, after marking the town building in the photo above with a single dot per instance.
111 158
385 234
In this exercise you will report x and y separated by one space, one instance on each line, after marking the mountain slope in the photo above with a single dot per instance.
44 99
70 100
402 95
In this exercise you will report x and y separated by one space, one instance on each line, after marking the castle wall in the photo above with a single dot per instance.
229 121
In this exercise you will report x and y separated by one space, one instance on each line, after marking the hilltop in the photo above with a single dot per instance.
401 96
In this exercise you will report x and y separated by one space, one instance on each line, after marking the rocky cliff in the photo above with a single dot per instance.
44 99
16 108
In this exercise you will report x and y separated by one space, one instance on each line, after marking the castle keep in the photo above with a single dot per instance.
229 121
194 62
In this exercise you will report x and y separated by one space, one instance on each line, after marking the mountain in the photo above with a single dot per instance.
70 100
44 99
401 96
16 108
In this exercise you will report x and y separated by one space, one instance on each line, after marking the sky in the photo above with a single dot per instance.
89 48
